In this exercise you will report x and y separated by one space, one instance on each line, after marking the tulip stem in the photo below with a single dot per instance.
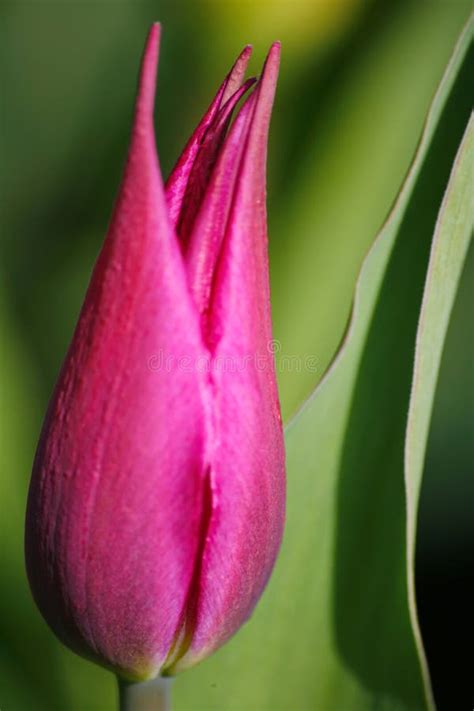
151 695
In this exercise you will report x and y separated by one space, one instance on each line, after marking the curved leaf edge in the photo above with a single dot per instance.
396 213
427 363
385 233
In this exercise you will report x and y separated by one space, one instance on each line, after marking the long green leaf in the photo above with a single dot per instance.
351 164
333 632
448 252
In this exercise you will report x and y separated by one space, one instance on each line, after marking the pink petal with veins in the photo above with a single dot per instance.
177 182
156 505
247 475
116 494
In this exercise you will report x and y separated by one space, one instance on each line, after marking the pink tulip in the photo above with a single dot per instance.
156 505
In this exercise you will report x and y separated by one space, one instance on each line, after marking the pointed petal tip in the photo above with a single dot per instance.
271 67
236 75
243 57
248 83
148 72
274 53
153 37
234 99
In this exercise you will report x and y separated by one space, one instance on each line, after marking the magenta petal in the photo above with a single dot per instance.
211 221
236 75
177 183
115 501
156 504
198 180
247 474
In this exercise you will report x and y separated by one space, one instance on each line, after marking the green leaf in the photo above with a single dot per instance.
333 631
448 253
350 162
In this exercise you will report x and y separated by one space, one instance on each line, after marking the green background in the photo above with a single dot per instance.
356 81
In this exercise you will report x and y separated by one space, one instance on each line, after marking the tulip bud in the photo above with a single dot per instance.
156 503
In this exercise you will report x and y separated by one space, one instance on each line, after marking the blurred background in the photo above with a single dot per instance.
357 77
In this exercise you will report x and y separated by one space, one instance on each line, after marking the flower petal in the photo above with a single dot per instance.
211 221
177 183
115 502
199 177
247 472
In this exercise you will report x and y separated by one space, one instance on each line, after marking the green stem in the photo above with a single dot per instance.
151 695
